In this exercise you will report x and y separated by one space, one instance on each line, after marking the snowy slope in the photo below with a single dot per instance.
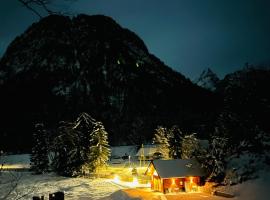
257 189
254 189
75 188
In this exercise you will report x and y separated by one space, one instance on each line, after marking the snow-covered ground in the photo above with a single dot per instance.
25 185
107 189
255 189
74 188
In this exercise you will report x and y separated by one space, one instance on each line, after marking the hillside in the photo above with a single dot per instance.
62 66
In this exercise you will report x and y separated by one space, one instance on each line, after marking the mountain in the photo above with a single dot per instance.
208 80
62 66
247 100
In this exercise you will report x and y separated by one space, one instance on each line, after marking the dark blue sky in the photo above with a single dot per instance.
188 35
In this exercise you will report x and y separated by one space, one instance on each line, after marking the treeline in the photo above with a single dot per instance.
216 153
74 148
172 143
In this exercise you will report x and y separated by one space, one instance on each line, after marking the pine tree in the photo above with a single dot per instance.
175 137
100 151
67 158
190 146
39 157
161 140
80 147
84 125
215 159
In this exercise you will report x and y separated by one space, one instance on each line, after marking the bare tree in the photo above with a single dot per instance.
37 6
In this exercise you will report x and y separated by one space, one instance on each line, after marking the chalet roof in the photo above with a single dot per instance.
120 151
177 168
147 150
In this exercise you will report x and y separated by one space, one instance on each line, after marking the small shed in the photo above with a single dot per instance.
178 175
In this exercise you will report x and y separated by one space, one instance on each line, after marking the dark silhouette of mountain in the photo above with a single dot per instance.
246 97
208 80
61 66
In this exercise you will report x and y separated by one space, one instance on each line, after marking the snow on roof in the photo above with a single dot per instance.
177 168
122 150
147 150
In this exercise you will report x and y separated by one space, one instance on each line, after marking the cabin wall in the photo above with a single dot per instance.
173 185
157 184
192 183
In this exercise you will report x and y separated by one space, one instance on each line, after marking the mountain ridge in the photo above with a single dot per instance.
62 66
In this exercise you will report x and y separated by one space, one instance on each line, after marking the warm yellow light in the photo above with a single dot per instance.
191 179
155 173
116 179
173 181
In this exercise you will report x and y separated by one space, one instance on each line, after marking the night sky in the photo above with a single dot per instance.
188 35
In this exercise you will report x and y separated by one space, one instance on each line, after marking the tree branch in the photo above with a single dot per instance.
26 4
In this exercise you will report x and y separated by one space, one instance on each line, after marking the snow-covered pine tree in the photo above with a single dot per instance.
80 147
84 122
39 156
84 125
215 159
175 137
161 140
100 151
67 158
190 146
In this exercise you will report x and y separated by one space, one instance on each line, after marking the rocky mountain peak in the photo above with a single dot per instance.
208 79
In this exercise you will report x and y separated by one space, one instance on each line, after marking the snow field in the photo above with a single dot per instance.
74 188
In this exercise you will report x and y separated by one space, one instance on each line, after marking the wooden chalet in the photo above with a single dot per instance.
175 175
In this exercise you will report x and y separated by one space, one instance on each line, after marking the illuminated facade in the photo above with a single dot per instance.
175 175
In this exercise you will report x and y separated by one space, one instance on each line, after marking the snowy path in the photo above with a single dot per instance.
145 194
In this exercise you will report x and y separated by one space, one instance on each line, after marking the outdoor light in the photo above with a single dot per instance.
173 181
135 182
116 179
